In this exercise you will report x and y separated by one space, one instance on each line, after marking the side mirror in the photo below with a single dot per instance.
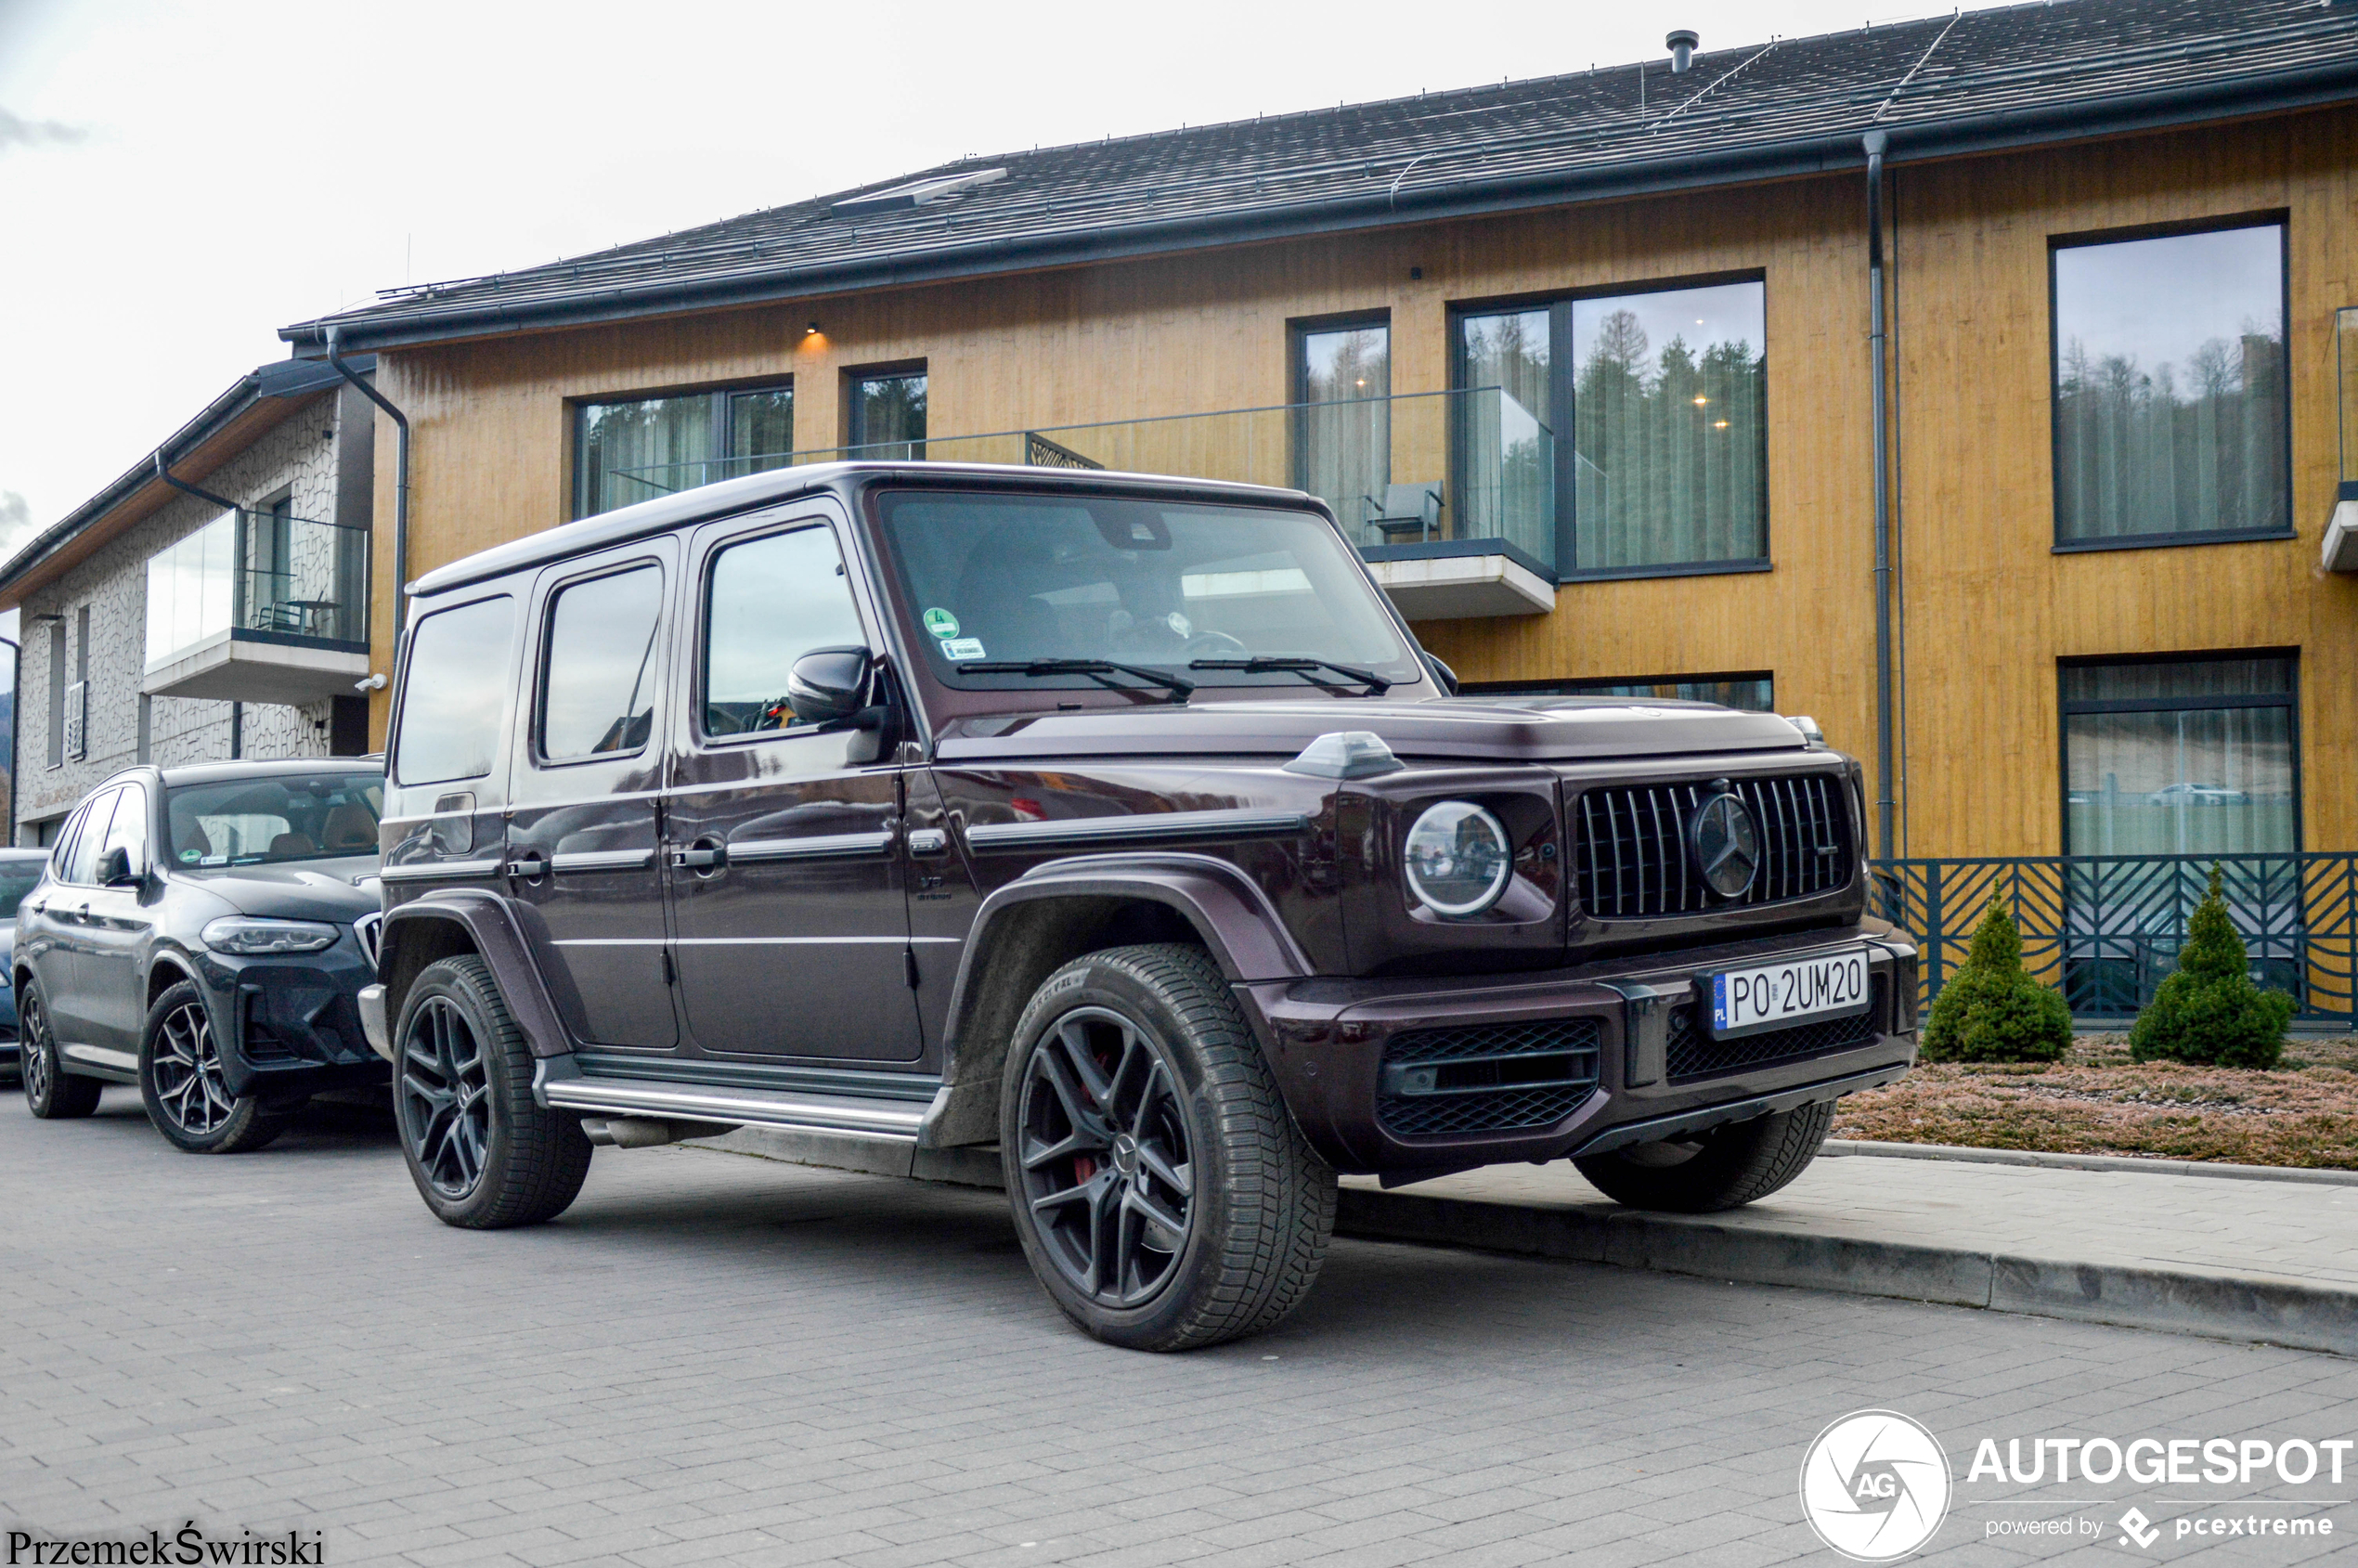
114 869
828 685
1441 673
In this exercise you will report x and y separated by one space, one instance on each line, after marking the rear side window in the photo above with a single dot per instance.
455 691
81 861
770 602
598 680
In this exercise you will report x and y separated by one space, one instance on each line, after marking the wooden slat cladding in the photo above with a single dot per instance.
1629 847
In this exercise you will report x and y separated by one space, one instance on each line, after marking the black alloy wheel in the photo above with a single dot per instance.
1105 1164
446 1099
50 1092
484 1153
1164 1197
185 1089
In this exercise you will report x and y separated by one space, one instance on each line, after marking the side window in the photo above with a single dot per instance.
769 601
129 830
81 864
455 691
597 677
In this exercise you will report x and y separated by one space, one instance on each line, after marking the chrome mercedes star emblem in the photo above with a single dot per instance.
1726 845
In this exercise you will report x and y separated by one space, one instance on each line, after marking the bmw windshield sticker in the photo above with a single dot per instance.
941 623
958 649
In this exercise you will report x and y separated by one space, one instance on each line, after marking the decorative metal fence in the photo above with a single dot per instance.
2107 929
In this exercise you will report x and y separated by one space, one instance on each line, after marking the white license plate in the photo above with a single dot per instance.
1779 995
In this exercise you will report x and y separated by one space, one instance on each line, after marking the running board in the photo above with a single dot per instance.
559 1084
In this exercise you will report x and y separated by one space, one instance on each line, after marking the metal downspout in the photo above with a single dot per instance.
401 486
1875 142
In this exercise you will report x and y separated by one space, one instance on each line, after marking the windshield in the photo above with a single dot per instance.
1184 591
292 817
16 881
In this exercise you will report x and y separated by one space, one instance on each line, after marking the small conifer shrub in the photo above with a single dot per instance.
1991 1010
2209 1011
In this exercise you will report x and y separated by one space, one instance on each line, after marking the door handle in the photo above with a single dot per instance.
82 914
530 865
927 841
701 856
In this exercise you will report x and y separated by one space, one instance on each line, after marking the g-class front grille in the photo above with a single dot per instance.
1630 858
1689 1052
1490 1078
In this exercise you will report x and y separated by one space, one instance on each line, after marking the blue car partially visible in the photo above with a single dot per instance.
19 870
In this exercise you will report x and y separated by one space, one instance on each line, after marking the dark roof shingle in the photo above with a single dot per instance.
1978 79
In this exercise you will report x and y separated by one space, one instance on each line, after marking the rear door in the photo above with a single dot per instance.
584 792
447 788
61 919
790 918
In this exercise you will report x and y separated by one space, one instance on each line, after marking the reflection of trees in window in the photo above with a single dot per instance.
891 413
2191 449
1671 449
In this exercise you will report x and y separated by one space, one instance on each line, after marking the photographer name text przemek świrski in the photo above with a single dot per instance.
191 1546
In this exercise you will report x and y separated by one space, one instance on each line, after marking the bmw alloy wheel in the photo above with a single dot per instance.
188 1073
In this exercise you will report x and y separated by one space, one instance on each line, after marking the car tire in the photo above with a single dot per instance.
50 1092
1161 1191
484 1153
180 1082
1725 1168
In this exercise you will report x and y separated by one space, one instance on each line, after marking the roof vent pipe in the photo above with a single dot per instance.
1683 44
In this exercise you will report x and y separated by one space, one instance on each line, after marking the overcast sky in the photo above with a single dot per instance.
178 179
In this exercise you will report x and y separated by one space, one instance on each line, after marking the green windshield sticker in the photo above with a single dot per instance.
942 624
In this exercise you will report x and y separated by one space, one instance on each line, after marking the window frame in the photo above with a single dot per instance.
1298 404
2281 219
1562 377
700 650
716 396
536 730
855 377
2068 708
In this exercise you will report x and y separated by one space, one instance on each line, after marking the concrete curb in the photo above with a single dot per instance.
1840 1148
2267 1311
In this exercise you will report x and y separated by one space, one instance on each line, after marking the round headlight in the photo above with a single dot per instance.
1459 858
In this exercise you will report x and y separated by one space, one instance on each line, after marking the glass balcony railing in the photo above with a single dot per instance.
1439 472
261 576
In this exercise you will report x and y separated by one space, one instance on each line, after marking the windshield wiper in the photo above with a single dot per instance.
1096 670
1301 665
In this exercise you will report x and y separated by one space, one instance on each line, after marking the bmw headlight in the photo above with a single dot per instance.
255 936
1460 858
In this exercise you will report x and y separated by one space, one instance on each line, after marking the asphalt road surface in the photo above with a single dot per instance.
715 1358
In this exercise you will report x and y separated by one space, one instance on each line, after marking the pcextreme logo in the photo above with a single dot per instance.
1874 1486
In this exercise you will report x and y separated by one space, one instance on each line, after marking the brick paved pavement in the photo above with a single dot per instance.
716 1358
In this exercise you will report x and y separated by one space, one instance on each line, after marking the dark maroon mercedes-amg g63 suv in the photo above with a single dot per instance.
1117 822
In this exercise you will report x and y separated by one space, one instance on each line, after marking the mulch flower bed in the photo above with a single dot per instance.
2097 1101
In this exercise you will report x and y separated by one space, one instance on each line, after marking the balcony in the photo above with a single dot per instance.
2341 529
1450 495
259 607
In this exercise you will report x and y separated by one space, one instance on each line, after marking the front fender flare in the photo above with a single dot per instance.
1014 945
499 932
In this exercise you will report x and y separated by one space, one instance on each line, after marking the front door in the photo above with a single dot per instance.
790 922
582 835
115 931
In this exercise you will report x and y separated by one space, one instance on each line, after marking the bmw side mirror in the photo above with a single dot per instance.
114 869
828 685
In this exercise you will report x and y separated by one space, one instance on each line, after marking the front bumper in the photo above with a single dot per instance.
1632 1065
290 1026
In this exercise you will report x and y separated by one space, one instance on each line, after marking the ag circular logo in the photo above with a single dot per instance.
1725 843
1874 1486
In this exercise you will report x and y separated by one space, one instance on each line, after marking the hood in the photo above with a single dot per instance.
297 890
1445 728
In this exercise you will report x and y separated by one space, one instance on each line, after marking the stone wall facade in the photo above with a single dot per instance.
307 459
